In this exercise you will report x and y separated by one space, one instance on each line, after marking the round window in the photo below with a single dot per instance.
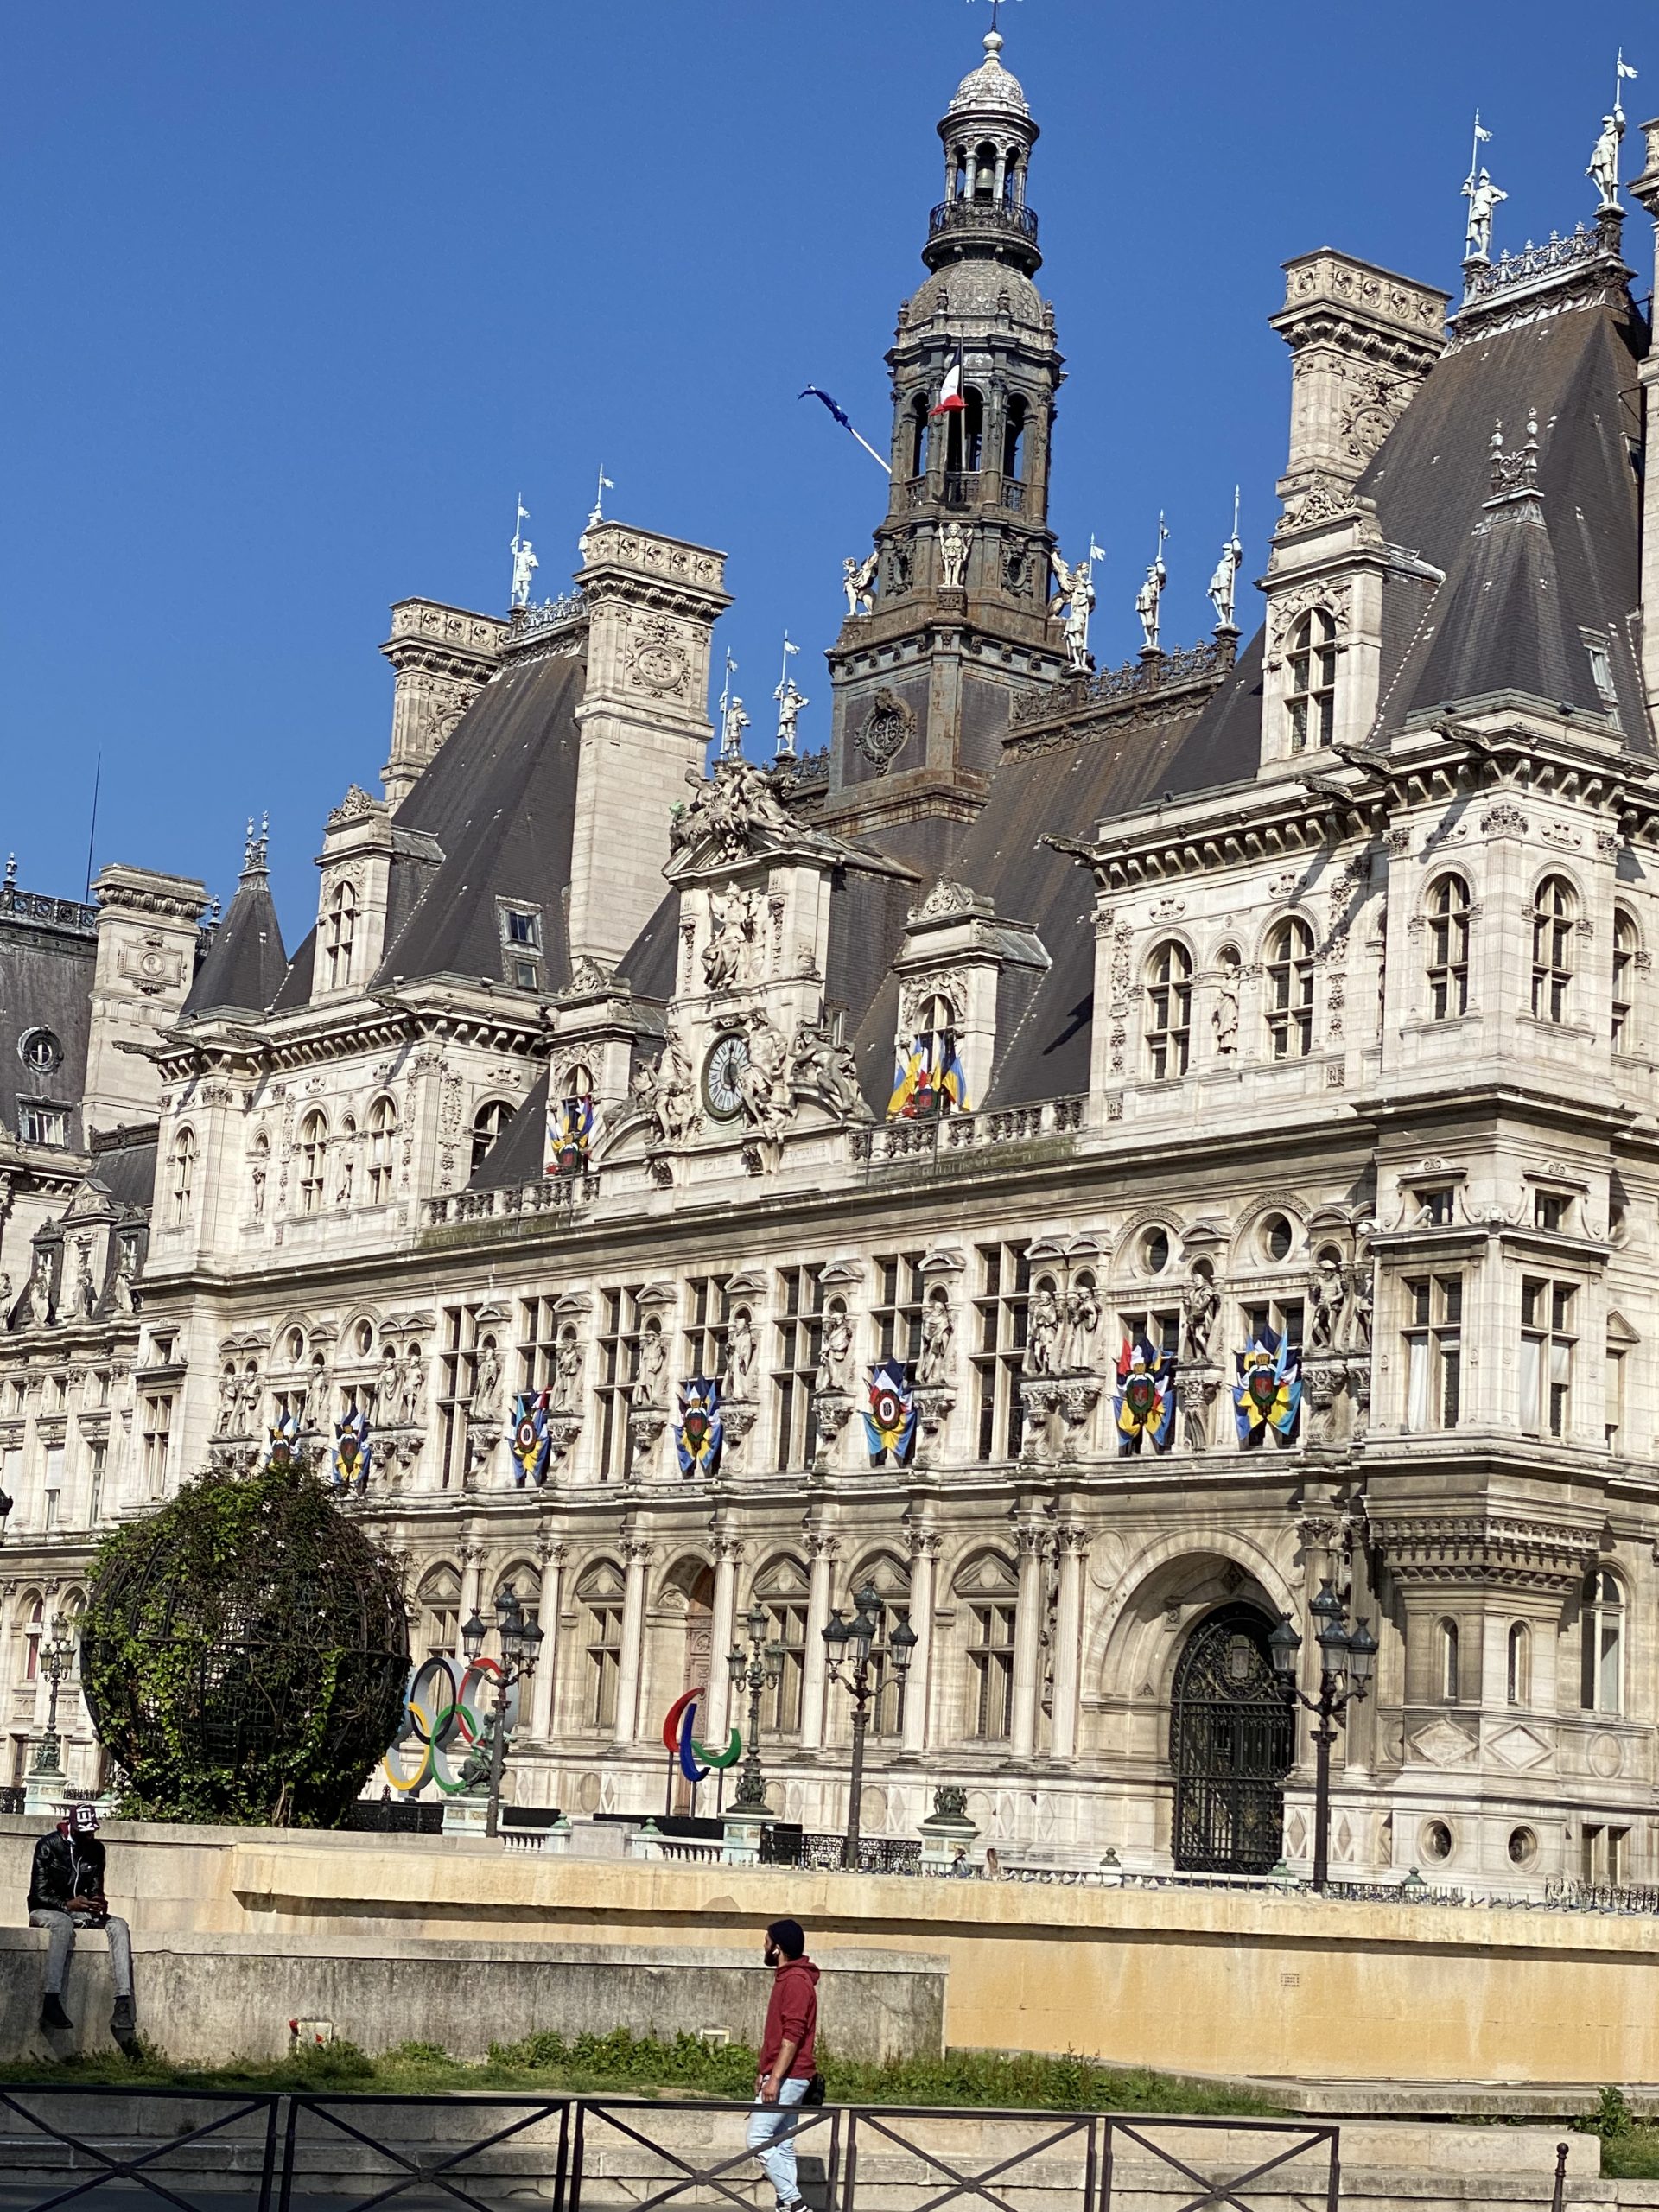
1437 1841
1155 1251
296 1347
1277 1236
1523 1847
365 1335
40 1050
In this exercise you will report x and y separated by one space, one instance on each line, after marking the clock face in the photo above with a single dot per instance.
722 1077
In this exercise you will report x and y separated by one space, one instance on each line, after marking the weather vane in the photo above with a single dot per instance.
996 7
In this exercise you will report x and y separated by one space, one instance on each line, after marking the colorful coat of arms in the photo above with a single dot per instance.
530 1440
570 1135
890 1415
699 1432
1269 1392
928 1080
283 1449
352 1450
1146 1397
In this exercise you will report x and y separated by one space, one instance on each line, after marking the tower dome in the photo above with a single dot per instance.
990 88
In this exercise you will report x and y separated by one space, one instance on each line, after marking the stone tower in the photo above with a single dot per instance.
958 607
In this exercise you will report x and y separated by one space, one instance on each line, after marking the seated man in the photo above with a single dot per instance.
65 1892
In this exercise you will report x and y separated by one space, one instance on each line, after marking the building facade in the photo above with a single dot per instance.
1127 1148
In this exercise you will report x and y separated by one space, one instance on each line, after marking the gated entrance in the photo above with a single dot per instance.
1231 1743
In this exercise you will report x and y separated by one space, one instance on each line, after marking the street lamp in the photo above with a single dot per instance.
761 1668
849 1645
521 1647
1347 1661
56 1654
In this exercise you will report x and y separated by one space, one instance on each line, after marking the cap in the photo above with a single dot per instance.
83 1819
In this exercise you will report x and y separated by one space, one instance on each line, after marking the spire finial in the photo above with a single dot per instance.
255 847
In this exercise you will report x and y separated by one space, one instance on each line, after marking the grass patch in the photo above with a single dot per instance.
621 2063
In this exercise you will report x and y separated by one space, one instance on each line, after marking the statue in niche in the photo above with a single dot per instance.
5 1299
389 1390
1223 1015
486 1383
720 954
414 1386
1079 1329
230 1397
40 1288
85 1286
1200 1303
938 1333
650 1385
836 1354
567 1371
953 556
740 1353
1327 1295
1043 1331
1363 1294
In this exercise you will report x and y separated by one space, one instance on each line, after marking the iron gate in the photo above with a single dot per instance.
1231 1743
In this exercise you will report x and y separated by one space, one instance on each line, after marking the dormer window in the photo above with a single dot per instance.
1311 702
521 946
42 1124
929 1079
1601 673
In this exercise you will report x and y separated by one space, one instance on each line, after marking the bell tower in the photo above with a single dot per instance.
952 620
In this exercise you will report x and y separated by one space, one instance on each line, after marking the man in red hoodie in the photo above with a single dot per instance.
787 2058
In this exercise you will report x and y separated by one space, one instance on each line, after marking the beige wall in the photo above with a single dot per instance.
1239 1982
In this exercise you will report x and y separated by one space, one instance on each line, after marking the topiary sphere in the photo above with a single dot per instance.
244 1653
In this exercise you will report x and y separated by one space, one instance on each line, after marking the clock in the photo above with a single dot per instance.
722 1077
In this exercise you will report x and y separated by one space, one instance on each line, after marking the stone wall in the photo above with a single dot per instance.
1192 1980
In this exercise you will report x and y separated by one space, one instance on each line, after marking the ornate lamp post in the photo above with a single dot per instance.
56 1654
756 1669
849 1645
1347 1661
521 1647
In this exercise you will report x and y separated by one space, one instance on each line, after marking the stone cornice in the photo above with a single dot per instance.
1515 1550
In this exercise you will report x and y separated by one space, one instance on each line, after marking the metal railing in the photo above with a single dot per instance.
187 2148
984 216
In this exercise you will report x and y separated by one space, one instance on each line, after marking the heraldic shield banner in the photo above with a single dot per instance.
282 1448
1268 1393
353 1451
530 1440
889 1415
1146 1397
570 1135
699 1434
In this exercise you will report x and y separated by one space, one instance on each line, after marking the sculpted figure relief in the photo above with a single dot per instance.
858 581
835 1359
728 807
567 1372
1079 1329
939 1332
741 1352
650 1386
1327 1295
765 1100
1200 1304
1043 1332
665 1090
953 556
487 1385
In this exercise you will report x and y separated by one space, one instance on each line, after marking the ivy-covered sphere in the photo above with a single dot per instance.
244 1653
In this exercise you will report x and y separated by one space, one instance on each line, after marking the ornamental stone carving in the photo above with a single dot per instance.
1287 609
888 728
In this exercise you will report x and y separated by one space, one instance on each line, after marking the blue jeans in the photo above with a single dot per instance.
769 2122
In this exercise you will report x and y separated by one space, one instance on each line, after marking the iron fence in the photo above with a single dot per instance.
193 2150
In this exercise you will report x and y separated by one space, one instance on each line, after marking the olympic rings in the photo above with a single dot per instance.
436 1723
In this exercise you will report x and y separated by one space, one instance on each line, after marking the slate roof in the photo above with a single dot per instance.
46 982
245 962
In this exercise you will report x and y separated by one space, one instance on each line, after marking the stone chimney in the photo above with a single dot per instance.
443 657
146 938
652 604
1361 341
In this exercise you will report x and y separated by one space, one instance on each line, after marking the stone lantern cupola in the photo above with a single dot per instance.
951 617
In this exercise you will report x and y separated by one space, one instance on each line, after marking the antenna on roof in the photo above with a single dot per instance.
97 774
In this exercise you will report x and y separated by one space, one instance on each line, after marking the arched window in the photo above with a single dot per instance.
1519 1678
34 1619
1013 441
338 930
314 1159
985 1592
383 1130
600 1594
1625 946
439 1599
488 1122
1602 1686
781 1592
1311 701
1553 913
1169 1010
1448 949
184 1174
1290 989
929 1079
1449 1639
985 173
919 429
965 439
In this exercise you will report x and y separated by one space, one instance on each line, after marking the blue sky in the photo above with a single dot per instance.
301 297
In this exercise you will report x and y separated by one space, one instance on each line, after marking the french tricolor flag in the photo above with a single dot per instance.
950 400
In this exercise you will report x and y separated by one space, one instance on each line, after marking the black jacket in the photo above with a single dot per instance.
65 1869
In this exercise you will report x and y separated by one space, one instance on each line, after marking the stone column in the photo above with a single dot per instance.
823 1549
1071 1545
471 1558
544 1682
636 1553
728 1552
1027 1629
924 1565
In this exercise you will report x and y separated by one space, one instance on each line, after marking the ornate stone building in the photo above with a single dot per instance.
1129 1146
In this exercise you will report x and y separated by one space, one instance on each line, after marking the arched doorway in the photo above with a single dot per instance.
1231 1743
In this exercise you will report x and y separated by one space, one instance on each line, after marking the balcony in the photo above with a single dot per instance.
987 218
